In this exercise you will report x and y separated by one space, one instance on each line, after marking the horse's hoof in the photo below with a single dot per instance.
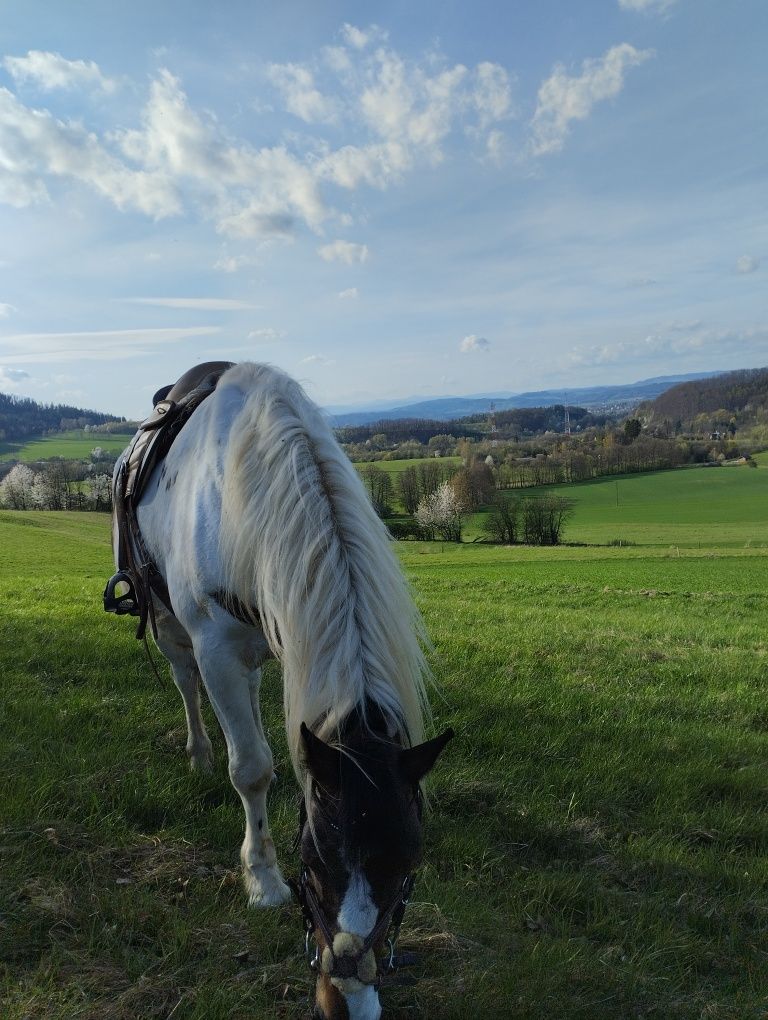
267 889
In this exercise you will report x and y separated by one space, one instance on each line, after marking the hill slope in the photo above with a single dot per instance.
741 395
21 417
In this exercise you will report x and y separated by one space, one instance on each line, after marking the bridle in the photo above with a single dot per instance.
350 964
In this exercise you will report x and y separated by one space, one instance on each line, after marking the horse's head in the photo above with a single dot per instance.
360 844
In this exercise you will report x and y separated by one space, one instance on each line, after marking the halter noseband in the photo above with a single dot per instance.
352 964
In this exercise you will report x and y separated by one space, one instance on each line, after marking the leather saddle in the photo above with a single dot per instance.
129 591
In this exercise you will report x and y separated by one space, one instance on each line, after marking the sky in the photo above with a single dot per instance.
387 200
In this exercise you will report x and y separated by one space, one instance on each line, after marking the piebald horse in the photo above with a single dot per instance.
268 545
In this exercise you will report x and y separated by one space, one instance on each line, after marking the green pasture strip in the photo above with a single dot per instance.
597 845
396 467
76 445
695 507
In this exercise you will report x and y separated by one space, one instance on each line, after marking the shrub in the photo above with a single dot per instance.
543 519
502 523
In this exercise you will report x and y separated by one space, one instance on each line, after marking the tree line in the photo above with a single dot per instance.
57 484
22 418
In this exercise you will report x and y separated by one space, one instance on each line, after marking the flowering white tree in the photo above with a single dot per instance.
17 488
100 487
441 512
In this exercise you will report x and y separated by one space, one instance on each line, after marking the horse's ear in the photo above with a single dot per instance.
415 762
323 761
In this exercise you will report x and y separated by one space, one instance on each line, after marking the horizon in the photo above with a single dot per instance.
379 199
407 403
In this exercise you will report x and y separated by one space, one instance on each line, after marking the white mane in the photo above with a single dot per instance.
301 543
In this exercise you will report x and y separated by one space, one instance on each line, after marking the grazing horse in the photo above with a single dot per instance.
268 546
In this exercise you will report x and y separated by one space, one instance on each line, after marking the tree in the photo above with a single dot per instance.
440 513
441 446
17 488
100 494
431 474
408 484
502 523
632 429
52 486
544 518
379 485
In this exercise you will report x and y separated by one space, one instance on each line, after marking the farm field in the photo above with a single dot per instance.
75 445
693 507
597 845
396 467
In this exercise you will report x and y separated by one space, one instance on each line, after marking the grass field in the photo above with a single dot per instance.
691 508
73 445
396 467
597 847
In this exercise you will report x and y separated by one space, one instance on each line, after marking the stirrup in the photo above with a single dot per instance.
125 603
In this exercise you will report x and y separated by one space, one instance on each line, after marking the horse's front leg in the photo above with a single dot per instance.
231 680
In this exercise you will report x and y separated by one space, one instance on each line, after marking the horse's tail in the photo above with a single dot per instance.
303 547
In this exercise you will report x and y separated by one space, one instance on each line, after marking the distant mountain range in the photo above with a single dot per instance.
595 398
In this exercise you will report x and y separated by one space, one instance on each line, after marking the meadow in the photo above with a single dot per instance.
74 445
597 842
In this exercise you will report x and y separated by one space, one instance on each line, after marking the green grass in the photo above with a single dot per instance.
598 846
76 445
691 508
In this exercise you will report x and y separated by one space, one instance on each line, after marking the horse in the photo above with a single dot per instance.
268 546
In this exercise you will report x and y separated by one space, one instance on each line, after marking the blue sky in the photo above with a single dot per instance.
387 200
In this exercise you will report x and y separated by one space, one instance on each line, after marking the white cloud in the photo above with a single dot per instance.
99 345
177 160
360 38
350 294
52 71
34 144
302 98
5 310
675 340
11 378
344 251
563 98
250 192
646 6
410 109
474 343
232 263
317 359
492 94
747 264
266 335
200 304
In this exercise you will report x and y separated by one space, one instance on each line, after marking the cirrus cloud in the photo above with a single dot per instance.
647 6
